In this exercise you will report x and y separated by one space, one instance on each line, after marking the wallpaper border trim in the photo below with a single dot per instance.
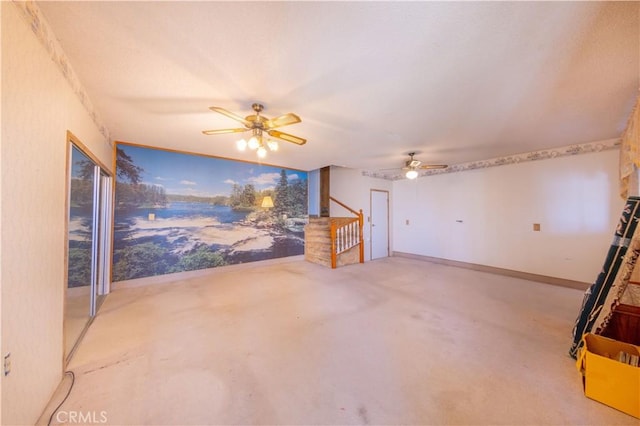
543 154
46 36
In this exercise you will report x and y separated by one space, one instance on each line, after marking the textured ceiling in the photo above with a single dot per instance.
453 81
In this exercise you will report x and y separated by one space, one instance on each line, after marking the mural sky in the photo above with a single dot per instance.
189 174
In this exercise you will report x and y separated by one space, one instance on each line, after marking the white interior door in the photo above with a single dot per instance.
379 224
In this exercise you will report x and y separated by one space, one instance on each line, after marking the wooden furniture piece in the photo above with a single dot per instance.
624 325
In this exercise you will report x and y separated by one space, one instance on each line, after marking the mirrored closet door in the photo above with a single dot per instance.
89 239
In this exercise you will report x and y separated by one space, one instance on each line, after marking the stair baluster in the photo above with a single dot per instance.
342 234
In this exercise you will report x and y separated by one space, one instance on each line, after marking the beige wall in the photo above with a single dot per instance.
38 107
486 216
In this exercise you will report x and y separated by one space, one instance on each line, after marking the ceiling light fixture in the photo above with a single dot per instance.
242 145
257 142
411 174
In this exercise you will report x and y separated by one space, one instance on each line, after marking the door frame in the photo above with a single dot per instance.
371 191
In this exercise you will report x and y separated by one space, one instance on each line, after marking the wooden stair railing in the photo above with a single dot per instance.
346 234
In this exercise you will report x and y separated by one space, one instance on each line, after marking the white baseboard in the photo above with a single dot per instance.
562 282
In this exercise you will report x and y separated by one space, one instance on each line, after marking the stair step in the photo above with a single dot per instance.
320 239
317 236
317 228
319 219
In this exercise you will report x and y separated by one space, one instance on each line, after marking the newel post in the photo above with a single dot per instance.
361 225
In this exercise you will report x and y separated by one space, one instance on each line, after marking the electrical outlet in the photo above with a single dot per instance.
7 364
407 222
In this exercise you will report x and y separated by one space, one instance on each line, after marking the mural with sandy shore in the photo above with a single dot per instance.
177 212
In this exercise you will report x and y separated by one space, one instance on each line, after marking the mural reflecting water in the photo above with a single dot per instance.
80 219
180 212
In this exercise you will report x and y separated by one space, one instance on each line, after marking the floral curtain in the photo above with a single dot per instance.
630 151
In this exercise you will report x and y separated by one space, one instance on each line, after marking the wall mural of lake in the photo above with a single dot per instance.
179 212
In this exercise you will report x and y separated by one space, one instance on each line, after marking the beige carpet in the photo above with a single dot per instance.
391 341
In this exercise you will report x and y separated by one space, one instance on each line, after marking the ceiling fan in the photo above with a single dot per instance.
411 166
259 125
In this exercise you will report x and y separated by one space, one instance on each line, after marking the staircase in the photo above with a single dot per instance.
334 241
317 241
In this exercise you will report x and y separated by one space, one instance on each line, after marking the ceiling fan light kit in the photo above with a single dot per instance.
411 167
260 127
411 174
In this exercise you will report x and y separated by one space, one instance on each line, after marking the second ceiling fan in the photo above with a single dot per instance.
411 166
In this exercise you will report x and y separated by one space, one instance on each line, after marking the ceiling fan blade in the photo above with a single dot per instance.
283 120
287 137
433 166
230 115
221 131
